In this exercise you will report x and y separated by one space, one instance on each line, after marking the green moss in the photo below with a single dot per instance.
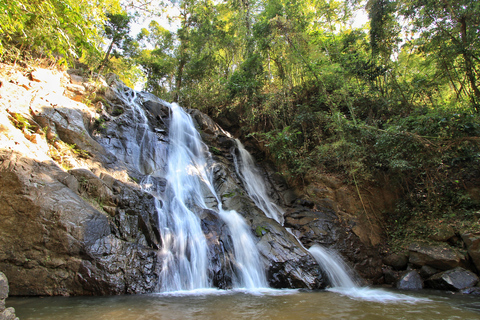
261 231
215 151
229 195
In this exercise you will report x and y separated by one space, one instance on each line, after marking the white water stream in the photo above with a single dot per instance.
184 250
254 184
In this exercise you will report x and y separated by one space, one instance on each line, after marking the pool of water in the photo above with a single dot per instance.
266 304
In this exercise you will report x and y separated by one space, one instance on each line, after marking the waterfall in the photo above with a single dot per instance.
184 252
337 271
180 177
254 184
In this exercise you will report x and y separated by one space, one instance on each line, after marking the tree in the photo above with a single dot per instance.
61 29
117 28
449 30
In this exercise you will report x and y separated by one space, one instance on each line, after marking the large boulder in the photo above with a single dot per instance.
410 280
398 261
440 257
454 280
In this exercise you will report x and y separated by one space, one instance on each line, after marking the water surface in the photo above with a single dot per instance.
270 304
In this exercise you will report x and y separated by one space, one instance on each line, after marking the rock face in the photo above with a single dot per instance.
74 219
5 313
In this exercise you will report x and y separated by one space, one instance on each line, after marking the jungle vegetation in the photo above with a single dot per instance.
396 100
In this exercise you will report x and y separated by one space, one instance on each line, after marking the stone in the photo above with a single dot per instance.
8 314
427 271
76 79
472 242
473 291
410 280
440 257
443 233
398 261
5 313
453 280
76 88
324 227
390 276
3 286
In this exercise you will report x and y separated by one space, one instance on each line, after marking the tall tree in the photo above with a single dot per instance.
117 28
450 30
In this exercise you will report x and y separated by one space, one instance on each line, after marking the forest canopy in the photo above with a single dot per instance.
397 97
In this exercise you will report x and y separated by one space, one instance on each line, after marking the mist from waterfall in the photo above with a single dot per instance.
254 183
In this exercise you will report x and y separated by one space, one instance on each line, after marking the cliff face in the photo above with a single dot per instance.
74 219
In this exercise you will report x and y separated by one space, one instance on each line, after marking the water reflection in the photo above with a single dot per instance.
233 305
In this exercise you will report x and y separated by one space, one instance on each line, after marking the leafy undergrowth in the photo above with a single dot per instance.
427 226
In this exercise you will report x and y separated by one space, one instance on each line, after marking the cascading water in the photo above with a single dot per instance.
337 271
181 200
343 279
187 254
253 182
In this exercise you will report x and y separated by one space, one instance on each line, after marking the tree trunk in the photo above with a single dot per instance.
107 56
469 65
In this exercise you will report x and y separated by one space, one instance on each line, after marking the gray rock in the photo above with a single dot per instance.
410 280
323 227
473 291
3 286
5 313
8 314
439 257
454 280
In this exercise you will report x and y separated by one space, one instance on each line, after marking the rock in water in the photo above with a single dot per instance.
5 313
454 280
410 280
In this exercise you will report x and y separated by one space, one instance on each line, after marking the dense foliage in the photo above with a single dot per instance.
397 99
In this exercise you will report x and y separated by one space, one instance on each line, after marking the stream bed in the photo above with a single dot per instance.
363 303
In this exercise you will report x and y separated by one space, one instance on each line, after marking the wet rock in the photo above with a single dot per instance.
398 261
472 241
287 263
220 246
439 257
454 280
473 291
410 280
324 227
